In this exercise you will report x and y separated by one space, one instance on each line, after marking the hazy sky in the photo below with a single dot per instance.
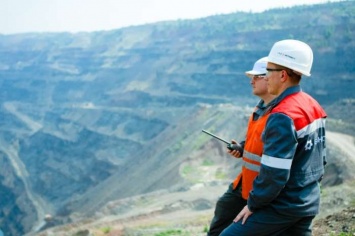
18 16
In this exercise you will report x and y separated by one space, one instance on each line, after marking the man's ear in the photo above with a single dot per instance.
284 75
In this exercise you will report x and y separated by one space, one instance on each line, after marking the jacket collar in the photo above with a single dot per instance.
287 92
262 108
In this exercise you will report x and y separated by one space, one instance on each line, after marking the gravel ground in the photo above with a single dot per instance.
340 223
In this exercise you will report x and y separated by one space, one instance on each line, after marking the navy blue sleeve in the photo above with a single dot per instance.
280 143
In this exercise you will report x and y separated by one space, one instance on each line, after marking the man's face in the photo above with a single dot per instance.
259 85
273 78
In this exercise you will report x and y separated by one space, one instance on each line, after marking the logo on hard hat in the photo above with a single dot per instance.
286 55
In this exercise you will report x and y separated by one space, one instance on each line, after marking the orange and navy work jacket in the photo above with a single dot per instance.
293 158
253 149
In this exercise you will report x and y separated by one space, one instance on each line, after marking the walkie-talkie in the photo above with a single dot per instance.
230 146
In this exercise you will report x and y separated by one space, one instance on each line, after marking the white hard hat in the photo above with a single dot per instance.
292 54
259 67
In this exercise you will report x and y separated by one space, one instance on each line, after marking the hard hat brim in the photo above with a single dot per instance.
254 72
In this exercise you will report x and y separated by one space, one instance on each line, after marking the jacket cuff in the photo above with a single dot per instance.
251 206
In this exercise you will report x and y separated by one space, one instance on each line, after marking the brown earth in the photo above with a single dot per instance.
340 223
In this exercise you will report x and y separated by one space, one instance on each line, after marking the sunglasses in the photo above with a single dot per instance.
269 70
257 77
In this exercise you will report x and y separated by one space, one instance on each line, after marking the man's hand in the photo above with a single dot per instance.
243 214
234 153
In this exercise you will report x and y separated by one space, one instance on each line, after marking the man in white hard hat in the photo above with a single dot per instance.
234 199
285 196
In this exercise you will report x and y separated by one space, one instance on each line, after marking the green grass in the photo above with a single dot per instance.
187 170
344 234
220 174
205 229
170 232
207 163
106 229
